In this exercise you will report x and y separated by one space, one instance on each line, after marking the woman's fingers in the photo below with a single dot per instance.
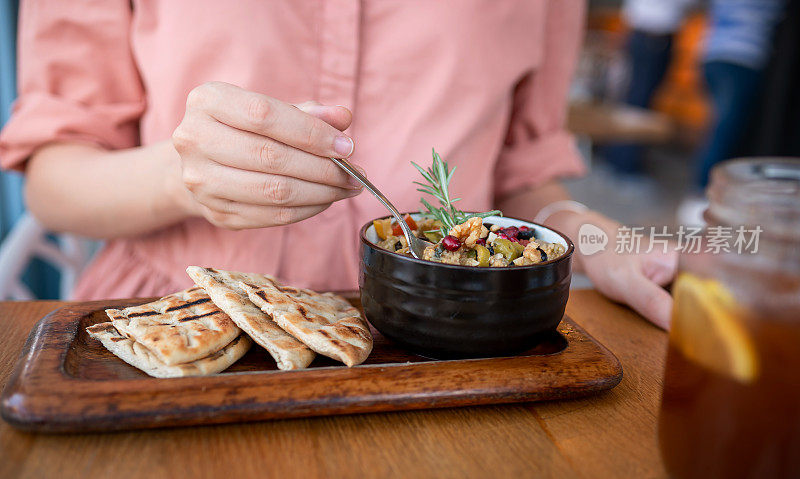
628 279
266 189
237 216
266 116
660 267
338 117
252 161
649 299
249 151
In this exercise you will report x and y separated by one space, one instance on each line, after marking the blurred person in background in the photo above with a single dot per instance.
653 25
738 47
774 129
198 133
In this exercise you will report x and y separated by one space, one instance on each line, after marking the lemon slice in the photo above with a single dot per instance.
707 329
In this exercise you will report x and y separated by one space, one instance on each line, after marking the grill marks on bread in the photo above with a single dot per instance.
179 328
143 313
198 316
194 332
142 358
224 290
326 323
188 305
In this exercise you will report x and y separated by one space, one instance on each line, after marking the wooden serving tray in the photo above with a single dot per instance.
65 381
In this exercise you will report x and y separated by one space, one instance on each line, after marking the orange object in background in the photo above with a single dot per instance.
682 96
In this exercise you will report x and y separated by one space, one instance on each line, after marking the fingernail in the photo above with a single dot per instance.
344 146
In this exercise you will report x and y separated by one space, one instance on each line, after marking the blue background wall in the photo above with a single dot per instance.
41 278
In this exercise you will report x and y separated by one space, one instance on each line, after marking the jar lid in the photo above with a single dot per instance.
757 192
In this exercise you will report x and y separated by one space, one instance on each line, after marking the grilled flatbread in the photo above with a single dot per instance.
179 328
326 323
142 358
224 290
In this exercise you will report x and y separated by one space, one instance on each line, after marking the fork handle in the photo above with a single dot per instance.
352 171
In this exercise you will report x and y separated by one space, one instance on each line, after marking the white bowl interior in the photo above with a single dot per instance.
543 233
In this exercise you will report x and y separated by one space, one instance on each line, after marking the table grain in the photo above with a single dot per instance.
610 435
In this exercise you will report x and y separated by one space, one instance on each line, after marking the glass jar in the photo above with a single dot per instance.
731 401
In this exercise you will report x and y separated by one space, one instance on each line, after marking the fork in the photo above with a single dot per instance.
415 245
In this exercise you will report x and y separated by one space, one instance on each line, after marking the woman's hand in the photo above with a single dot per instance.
252 161
633 279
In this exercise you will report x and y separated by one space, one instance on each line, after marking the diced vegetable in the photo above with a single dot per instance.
383 228
483 255
433 236
398 231
507 249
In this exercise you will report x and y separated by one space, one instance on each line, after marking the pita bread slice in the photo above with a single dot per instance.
140 357
326 323
179 328
224 290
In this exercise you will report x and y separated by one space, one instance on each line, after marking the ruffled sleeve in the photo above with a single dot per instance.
77 80
537 147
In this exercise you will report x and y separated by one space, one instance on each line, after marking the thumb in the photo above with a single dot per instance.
338 117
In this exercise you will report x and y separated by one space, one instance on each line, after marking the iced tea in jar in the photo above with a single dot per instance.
731 401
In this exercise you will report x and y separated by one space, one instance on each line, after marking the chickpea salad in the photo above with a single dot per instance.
459 237
471 243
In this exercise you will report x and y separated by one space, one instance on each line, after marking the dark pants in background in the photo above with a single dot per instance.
732 89
650 56
773 128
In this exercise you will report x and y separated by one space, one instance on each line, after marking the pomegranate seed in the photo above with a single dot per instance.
451 243
511 231
509 238
524 228
481 241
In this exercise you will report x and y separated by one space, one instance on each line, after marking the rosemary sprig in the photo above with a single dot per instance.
437 184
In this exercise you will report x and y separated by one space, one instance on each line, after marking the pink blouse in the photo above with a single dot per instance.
485 82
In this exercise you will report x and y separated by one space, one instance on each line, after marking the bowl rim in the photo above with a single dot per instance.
567 254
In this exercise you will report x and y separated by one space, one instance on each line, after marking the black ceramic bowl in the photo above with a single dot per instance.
445 311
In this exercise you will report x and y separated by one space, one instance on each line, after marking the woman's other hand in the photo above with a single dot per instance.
636 278
252 161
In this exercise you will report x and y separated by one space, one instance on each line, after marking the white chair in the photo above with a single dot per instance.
28 240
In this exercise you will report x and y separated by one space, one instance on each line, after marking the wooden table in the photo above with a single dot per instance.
612 435
618 123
